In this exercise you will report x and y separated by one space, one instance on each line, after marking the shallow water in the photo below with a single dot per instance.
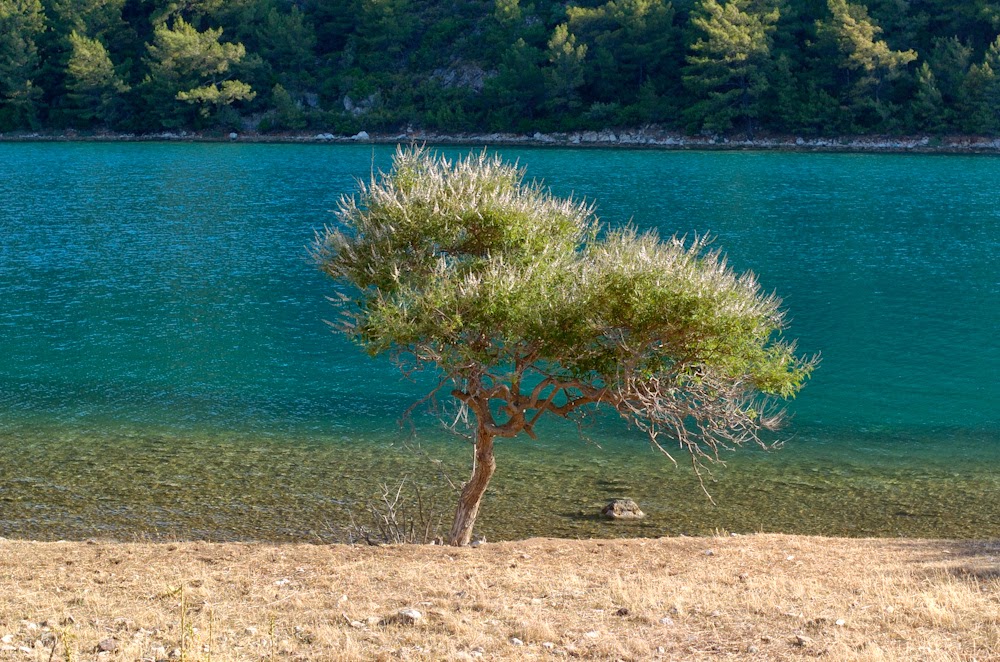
165 371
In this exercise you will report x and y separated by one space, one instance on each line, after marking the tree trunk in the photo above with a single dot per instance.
472 491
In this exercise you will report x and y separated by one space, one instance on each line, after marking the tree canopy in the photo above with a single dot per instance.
779 66
526 305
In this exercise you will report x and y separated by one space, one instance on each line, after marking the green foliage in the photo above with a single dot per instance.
631 43
525 305
463 266
928 102
565 75
795 66
727 70
871 63
193 67
288 116
21 24
94 87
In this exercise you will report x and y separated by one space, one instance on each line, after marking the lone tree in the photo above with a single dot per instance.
526 305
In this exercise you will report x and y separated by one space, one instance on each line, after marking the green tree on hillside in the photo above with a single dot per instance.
868 61
630 43
564 75
981 94
928 103
525 306
21 24
94 87
96 19
513 98
727 70
195 69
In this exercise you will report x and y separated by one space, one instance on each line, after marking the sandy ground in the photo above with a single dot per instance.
766 597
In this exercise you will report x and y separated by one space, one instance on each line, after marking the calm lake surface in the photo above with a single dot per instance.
165 370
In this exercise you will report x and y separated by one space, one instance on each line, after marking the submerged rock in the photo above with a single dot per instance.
622 509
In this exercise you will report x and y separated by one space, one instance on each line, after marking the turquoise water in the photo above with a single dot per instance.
165 370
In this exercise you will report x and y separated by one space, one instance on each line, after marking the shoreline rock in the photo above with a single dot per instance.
622 509
640 138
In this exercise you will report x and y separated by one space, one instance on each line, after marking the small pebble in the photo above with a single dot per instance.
107 645
408 616
516 642
666 620
841 621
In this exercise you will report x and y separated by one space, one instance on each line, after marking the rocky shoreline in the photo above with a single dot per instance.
647 138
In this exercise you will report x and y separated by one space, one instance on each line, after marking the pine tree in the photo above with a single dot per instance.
727 71
630 43
513 98
980 105
868 60
93 84
928 103
564 76
193 67
21 23
949 60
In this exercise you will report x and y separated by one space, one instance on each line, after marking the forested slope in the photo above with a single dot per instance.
740 66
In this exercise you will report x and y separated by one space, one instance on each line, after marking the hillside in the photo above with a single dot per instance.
743 67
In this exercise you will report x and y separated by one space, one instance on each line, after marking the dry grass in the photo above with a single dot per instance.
766 597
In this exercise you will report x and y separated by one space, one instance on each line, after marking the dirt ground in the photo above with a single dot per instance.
765 597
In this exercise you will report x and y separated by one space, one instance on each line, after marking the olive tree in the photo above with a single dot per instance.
526 305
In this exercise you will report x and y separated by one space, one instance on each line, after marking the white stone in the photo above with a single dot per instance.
361 135
409 616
